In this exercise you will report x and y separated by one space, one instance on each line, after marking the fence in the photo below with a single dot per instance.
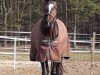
84 39
91 41
15 40
77 39
14 34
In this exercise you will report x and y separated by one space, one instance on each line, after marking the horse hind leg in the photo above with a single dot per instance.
45 68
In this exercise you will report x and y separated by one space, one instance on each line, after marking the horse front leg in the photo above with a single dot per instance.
53 68
56 68
45 68
59 68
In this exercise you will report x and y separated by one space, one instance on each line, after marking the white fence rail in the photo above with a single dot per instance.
15 41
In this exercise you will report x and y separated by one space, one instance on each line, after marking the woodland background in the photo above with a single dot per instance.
21 15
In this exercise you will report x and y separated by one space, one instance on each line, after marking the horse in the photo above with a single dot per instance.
49 41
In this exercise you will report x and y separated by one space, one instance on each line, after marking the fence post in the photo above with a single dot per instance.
92 52
14 53
25 43
75 33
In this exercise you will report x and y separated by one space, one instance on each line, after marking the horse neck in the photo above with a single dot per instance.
49 30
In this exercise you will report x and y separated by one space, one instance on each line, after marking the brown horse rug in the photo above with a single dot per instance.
60 47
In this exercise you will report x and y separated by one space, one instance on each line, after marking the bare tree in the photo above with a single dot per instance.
6 12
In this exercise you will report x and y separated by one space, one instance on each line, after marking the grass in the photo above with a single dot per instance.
19 57
84 57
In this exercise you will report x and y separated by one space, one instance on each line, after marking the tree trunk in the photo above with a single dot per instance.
5 20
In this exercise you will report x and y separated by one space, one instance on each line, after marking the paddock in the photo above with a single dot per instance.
14 60
33 68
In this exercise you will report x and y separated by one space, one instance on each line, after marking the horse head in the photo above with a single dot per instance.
51 9
49 26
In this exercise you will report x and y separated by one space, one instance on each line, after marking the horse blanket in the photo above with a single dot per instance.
60 46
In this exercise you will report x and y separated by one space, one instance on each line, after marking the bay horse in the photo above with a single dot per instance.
49 41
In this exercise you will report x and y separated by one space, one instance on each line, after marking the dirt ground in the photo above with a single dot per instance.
33 68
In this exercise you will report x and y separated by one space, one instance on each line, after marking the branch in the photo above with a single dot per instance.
5 9
9 10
